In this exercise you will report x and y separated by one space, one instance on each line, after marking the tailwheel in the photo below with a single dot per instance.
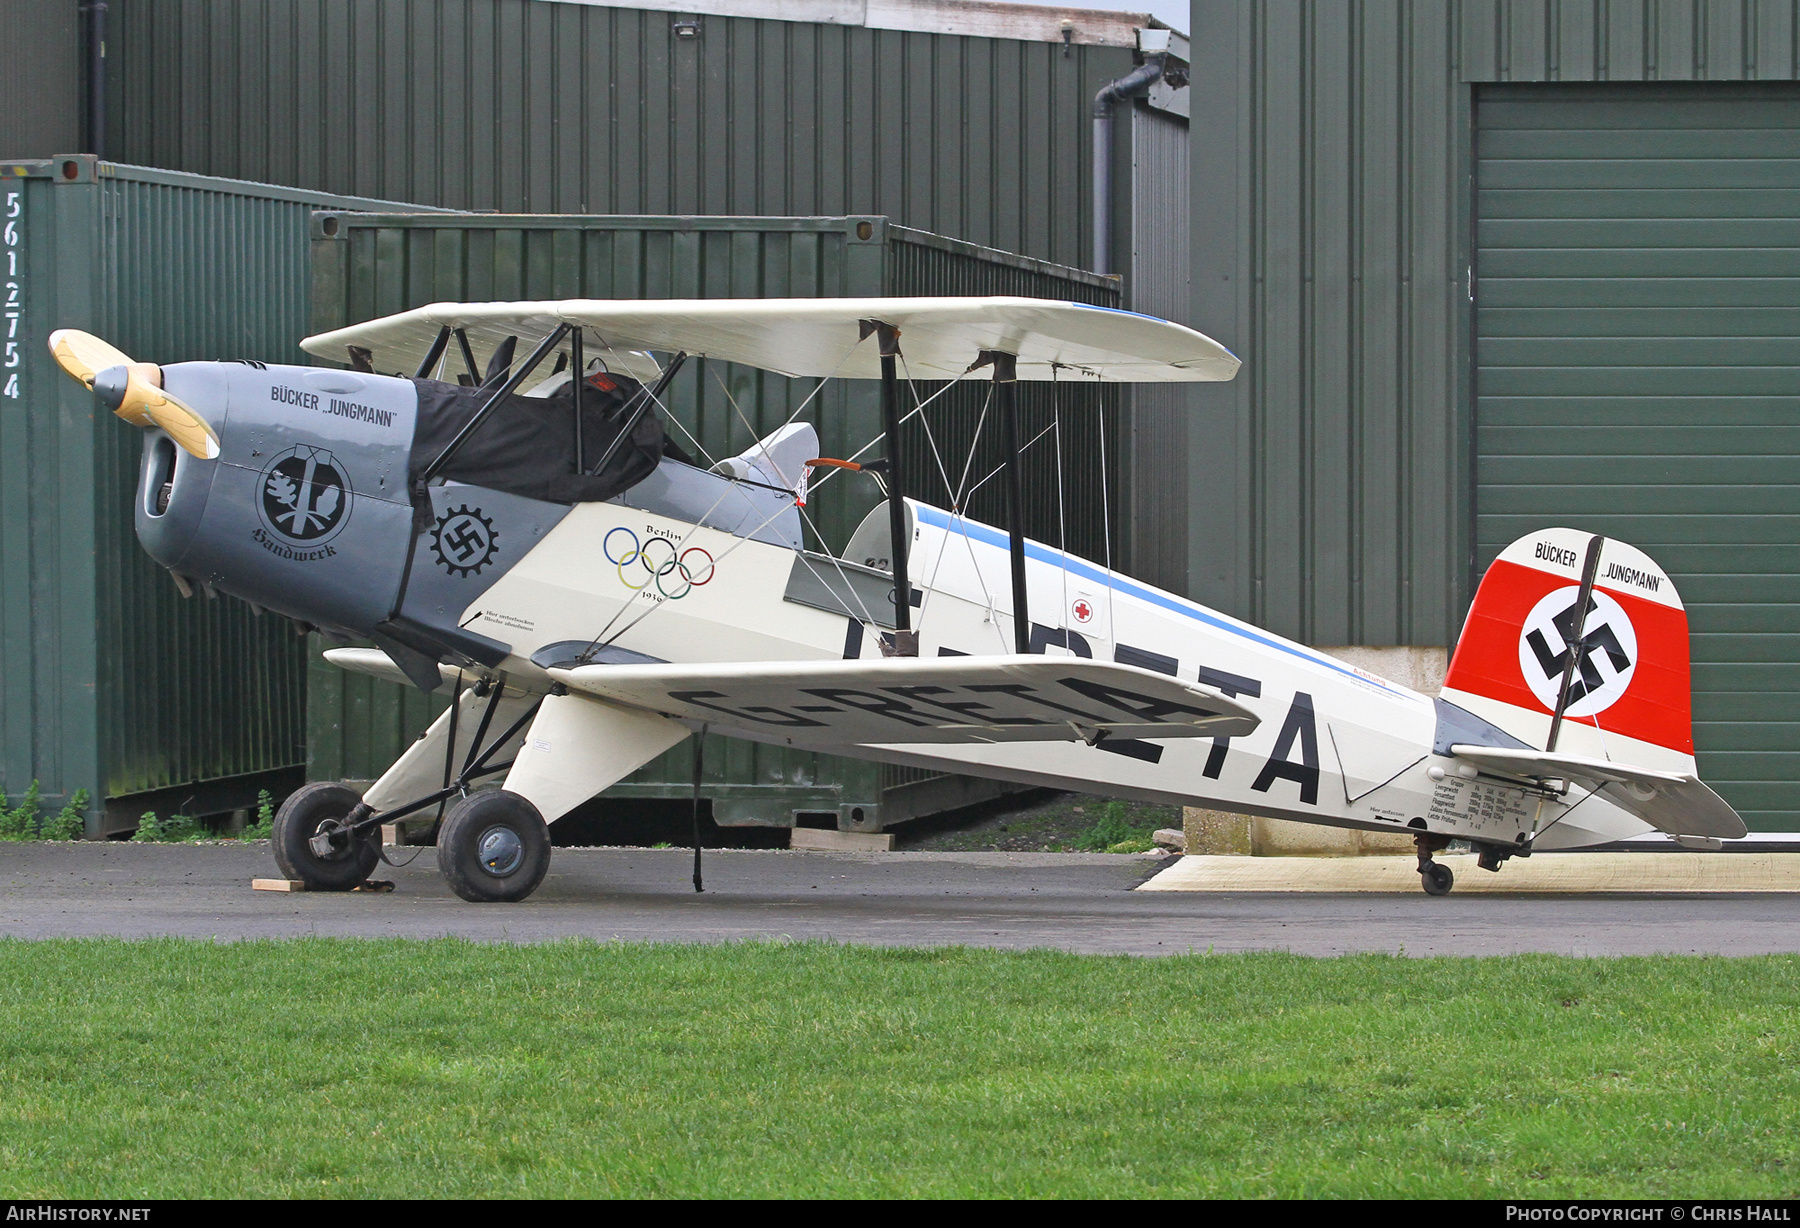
314 843
494 847
1434 877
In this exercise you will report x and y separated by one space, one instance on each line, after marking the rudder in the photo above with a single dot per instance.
1630 698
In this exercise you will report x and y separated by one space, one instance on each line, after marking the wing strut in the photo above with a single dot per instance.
506 389
1006 389
433 354
579 357
906 640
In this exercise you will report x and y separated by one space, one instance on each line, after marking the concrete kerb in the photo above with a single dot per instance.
1547 873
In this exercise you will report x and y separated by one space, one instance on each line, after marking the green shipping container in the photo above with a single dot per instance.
368 266
113 683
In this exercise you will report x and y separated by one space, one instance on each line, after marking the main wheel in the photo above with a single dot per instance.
1437 879
322 807
494 847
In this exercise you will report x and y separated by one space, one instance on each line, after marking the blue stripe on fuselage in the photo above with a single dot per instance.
938 519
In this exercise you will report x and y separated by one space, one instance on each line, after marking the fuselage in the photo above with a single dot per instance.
1336 745
307 512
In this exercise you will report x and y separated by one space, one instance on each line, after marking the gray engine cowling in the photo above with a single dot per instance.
305 511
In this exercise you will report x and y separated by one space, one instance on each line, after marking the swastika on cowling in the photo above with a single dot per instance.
464 541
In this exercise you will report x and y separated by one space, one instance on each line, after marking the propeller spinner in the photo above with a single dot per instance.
132 390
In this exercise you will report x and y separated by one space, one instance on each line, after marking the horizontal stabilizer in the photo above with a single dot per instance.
1674 802
913 700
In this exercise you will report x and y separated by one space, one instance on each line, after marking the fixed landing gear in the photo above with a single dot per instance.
315 842
1435 877
494 847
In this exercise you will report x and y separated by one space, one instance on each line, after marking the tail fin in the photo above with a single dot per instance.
1629 699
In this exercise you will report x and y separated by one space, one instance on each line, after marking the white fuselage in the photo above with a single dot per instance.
1336 744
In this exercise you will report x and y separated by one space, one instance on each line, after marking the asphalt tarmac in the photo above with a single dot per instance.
1073 902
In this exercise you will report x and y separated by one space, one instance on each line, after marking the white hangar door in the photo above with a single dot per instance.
1637 319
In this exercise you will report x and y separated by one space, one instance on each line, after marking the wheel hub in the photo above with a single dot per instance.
330 840
500 850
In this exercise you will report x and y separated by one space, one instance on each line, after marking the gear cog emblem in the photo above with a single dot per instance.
464 541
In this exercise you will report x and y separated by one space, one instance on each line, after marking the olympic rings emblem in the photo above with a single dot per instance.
659 558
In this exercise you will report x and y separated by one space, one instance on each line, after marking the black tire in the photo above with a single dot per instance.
1438 879
494 847
315 807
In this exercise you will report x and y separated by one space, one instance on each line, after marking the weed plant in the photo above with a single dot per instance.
183 829
28 822
1115 833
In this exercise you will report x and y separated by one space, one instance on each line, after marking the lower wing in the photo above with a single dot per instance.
905 699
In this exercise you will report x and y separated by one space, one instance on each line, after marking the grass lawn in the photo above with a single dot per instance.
176 1068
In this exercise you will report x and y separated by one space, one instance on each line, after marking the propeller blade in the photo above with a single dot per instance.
187 428
134 392
83 355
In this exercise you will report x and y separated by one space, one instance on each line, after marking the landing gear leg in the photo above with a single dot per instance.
1434 877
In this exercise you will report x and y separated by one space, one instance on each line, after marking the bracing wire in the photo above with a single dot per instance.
798 410
654 606
910 415
731 484
868 619
1023 449
607 636
925 422
937 458
960 526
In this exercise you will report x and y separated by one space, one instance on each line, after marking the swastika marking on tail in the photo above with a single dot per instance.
1605 664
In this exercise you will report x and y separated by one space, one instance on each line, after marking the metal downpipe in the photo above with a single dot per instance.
1132 83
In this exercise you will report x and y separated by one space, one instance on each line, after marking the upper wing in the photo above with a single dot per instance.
819 338
1675 802
903 699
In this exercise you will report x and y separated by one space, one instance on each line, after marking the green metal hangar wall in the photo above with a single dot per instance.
1495 266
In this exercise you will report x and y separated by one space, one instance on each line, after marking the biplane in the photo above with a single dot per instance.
528 532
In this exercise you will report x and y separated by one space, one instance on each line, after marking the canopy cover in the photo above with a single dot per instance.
940 338
525 447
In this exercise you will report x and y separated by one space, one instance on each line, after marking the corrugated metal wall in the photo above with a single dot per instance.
1638 325
1334 484
112 682
534 107
1605 40
371 266
41 82
1329 480
1331 484
1157 476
